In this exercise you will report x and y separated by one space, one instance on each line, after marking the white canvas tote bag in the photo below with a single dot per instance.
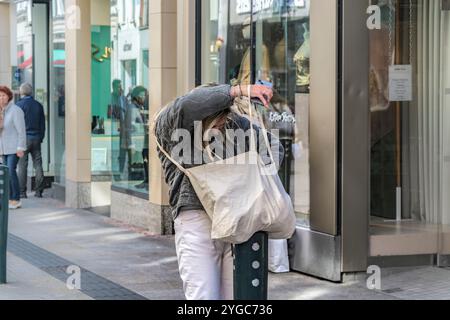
242 195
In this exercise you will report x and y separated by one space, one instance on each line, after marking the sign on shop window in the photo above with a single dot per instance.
400 83
245 6
300 3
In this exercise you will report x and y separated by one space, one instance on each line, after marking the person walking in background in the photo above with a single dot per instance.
136 120
35 128
12 141
119 107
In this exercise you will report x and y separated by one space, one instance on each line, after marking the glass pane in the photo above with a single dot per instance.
57 91
30 41
24 44
282 59
100 86
128 106
226 40
409 81
40 70
279 31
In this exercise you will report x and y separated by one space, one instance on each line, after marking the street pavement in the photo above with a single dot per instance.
118 261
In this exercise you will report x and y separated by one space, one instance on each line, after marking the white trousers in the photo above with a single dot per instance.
206 266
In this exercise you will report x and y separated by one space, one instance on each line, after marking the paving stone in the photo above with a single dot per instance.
57 266
144 267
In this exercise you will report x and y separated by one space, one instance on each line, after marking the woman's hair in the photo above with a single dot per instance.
217 120
7 91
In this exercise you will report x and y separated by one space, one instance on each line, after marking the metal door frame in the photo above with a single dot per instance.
355 137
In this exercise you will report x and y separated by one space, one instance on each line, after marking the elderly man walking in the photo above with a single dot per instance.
35 125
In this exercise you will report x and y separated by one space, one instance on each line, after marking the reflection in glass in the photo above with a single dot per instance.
101 124
301 60
282 38
279 32
24 36
129 95
30 40
410 176
57 91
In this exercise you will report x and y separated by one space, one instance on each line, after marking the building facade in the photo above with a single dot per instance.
361 95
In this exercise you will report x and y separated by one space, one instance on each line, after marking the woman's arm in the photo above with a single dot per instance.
207 101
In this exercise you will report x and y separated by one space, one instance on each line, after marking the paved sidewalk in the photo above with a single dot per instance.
113 256
26 282
121 262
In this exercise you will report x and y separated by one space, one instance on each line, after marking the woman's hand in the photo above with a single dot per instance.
20 154
261 92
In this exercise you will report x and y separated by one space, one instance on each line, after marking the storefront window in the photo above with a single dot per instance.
128 107
410 131
226 38
278 32
101 79
31 63
57 91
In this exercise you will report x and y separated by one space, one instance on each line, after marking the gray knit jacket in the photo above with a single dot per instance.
13 136
182 113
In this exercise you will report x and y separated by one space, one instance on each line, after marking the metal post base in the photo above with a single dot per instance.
251 268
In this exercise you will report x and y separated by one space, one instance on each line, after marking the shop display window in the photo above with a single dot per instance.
247 42
128 104
410 131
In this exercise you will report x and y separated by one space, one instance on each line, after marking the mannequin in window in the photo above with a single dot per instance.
136 129
145 154
244 76
301 60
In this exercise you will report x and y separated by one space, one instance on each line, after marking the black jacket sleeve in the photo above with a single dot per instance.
42 122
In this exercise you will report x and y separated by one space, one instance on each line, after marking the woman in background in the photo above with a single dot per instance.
12 141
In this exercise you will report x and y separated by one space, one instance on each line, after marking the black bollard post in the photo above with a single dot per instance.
251 268
4 206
